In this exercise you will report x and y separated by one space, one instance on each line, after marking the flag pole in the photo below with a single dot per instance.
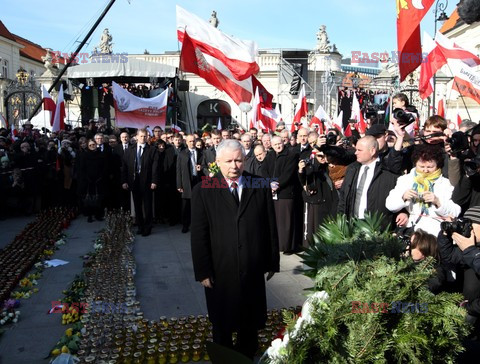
72 58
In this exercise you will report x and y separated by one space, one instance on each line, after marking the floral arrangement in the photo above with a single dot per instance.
27 286
9 313
358 268
69 342
213 169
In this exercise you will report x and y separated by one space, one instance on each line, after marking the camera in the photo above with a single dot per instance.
307 161
471 167
462 226
331 138
403 117
458 141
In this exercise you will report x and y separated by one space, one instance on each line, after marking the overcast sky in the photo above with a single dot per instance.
353 25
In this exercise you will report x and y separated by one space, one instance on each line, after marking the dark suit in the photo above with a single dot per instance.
122 197
174 200
186 181
249 162
234 246
209 156
382 183
140 183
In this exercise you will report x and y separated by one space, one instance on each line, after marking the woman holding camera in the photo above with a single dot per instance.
319 193
424 192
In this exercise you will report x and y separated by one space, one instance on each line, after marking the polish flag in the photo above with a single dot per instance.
441 108
439 52
455 123
214 71
269 118
357 114
317 120
48 103
237 55
348 131
256 121
278 113
337 123
301 110
175 128
59 115
466 81
409 16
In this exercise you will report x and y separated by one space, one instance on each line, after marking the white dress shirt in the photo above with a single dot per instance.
239 188
370 173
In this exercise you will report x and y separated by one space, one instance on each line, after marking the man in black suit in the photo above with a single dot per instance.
247 142
122 197
234 243
210 154
140 175
174 200
189 171
366 184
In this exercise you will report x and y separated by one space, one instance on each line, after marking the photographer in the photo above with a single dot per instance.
424 192
465 254
318 191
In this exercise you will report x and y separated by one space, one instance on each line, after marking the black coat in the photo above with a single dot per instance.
283 167
234 246
382 183
249 162
149 170
92 173
321 189
209 156
170 165
185 178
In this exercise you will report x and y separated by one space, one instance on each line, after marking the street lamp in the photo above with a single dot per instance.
440 16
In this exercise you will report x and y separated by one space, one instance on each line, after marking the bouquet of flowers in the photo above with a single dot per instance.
213 169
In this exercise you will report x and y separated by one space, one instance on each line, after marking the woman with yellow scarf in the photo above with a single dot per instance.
424 192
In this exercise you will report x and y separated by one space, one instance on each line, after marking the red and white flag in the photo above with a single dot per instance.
301 110
441 108
48 103
237 55
255 121
466 81
176 128
409 16
439 52
214 71
357 115
455 122
59 115
136 112
337 123
321 119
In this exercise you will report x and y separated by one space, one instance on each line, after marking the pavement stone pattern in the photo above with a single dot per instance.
164 281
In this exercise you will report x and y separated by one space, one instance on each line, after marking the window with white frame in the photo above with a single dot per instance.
4 68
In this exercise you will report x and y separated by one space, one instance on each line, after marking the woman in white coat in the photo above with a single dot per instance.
424 192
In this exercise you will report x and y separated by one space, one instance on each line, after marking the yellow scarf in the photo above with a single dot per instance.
424 182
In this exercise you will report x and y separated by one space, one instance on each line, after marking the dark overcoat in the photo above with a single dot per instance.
234 246
185 178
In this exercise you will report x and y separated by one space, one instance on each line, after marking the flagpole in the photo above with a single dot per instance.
72 58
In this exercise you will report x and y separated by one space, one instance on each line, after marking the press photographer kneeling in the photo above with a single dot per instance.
459 244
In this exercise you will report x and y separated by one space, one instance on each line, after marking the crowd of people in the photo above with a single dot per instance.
421 184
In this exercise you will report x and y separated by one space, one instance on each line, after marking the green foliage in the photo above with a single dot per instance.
355 261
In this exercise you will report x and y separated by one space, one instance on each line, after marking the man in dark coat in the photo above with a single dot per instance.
140 175
366 184
189 171
246 141
234 243
119 152
210 154
174 200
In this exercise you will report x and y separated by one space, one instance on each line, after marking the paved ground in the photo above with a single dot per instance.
164 281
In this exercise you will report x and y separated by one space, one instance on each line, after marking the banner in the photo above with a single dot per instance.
136 112
466 81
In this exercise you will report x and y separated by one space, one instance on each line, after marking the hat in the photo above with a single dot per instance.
376 129
473 213
280 123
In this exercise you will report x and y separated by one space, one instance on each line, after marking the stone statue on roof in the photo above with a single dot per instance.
323 44
106 44
213 19
47 61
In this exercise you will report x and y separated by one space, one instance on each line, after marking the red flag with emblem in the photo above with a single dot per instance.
409 15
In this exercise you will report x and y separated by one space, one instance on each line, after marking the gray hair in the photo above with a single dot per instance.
246 135
230 144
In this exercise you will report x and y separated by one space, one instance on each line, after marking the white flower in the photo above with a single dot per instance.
17 313
15 320
60 242
2 322
10 314
276 351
